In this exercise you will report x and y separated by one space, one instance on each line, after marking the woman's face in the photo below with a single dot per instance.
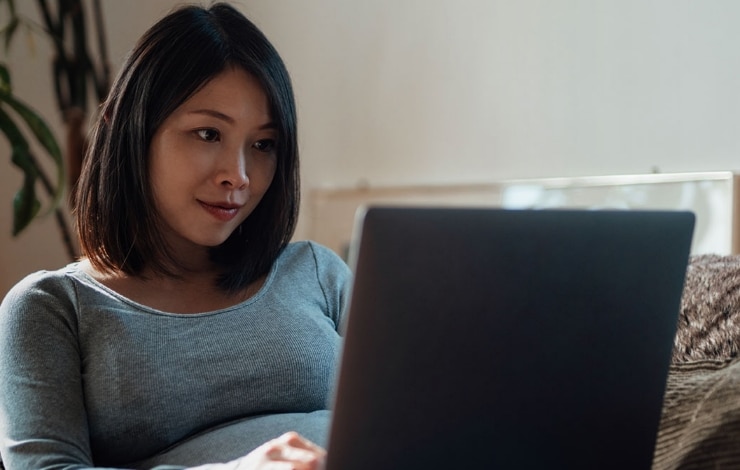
212 160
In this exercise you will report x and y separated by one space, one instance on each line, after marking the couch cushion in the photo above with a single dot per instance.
700 425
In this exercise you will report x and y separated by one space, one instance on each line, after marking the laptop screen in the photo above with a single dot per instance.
494 338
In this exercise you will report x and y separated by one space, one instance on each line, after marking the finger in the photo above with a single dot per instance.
295 451
295 454
294 439
287 453
270 465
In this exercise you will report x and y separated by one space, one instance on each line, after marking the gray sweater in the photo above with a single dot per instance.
90 378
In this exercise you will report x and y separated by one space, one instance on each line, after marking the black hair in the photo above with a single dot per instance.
117 221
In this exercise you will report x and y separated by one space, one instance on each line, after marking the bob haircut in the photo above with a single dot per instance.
117 221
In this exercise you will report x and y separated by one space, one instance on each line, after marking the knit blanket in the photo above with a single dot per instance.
700 424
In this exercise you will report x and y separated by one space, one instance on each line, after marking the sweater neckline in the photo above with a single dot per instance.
78 273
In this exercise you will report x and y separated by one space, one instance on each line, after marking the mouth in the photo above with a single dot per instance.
222 211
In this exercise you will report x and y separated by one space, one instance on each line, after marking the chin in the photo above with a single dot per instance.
212 242
213 239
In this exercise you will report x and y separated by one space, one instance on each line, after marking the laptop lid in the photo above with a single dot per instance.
491 338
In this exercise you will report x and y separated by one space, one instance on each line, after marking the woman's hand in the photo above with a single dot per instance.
287 452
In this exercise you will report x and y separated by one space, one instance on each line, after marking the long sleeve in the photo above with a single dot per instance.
92 379
41 391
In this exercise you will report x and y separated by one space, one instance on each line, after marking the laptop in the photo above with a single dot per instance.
493 338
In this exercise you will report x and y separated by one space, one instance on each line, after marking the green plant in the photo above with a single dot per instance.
26 205
73 72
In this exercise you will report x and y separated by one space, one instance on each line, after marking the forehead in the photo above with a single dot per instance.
233 89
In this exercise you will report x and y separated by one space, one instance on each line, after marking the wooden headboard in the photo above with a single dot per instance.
712 196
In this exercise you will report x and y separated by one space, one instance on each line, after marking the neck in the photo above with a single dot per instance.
192 291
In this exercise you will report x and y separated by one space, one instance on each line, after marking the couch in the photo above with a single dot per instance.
700 424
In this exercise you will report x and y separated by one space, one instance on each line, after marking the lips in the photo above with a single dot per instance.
222 211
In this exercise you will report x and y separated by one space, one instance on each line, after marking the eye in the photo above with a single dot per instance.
209 135
265 145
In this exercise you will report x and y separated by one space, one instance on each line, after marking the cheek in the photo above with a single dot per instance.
265 175
168 181
160 191
175 169
158 167
162 180
271 174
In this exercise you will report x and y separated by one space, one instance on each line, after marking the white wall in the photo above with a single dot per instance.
436 91
396 91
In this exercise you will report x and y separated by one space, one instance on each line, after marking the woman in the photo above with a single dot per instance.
191 331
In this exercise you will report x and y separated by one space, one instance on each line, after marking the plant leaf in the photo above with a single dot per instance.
13 133
9 31
38 127
46 138
5 88
25 203
11 6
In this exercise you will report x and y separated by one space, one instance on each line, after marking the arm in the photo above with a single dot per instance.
335 279
42 412
43 419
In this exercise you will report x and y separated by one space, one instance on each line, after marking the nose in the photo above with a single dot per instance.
232 172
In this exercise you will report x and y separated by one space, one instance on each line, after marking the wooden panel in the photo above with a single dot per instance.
712 196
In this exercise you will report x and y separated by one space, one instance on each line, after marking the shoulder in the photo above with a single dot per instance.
40 299
314 273
307 262
313 254
57 283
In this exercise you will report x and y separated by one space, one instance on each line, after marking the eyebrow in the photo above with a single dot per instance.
227 118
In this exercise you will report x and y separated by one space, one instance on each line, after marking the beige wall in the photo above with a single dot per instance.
439 91
40 246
